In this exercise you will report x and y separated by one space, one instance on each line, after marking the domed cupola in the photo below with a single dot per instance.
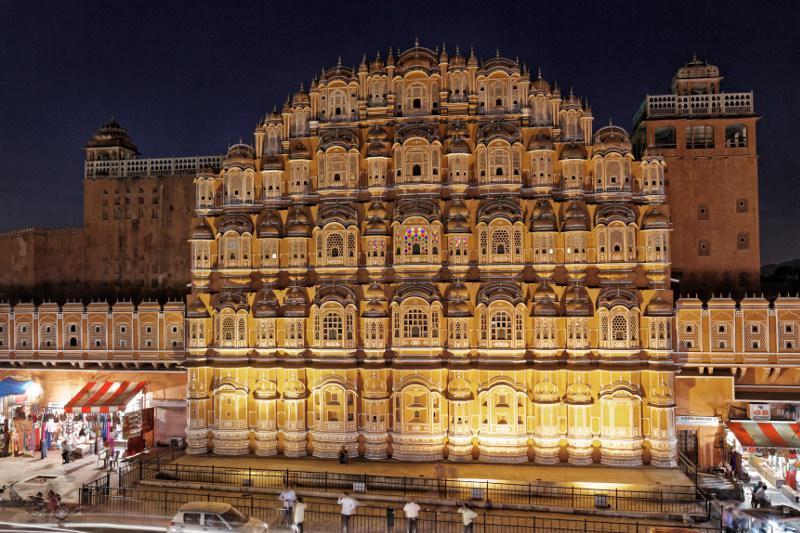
295 304
197 309
655 219
576 218
111 134
301 98
543 217
239 155
376 220
540 85
658 306
265 304
269 225
376 302
202 231
457 60
540 141
273 118
377 65
577 301
611 138
271 162
298 150
458 217
458 300
298 223
573 151
545 301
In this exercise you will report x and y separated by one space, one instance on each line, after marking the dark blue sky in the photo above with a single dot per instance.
188 78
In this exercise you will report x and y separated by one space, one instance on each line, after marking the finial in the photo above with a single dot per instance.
339 63
364 59
497 53
416 40
610 121
539 72
458 51
571 94
444 47
694 56
302 88
377 55
516 60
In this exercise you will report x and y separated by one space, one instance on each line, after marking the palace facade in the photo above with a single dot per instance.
433 257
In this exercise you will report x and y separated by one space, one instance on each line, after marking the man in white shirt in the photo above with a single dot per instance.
411 510
468 516
349 505
288 499
299 515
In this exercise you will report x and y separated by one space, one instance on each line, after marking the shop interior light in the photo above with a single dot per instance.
34 390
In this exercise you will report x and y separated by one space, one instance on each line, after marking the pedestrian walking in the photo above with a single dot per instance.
299 515
288 499
468 517
411 510
349 505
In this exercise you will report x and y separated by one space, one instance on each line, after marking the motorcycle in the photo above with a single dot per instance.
38 504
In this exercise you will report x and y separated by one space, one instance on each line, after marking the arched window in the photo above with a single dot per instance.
415 324
619 329
228 331
501 326
335 245
332 326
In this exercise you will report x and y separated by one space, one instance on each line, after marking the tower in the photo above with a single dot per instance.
708 140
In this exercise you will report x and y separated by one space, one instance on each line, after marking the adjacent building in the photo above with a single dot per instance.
708 139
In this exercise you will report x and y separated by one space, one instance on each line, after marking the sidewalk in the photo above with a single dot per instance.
68 477
597 475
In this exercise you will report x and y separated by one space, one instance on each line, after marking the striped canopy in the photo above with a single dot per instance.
766 434
104 396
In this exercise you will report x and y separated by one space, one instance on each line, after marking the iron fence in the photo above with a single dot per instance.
321 516
668 500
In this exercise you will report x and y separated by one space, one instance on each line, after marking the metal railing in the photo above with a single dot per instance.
670 500
166 166
322 516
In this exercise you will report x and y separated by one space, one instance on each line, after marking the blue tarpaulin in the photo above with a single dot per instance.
13 387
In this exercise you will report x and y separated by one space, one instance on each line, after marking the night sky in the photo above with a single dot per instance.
189 78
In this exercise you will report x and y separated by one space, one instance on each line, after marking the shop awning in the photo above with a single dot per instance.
104 396
14 386
766 434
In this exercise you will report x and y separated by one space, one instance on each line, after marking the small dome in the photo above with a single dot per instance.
377 149
540 85
458 217
544 301
543 217
265 304
300 97
197 309
573 151
271 162
297 222
611 138
577 302
576 218
658 306
541 141
202 231
457 145
376 220
295 301
298 150
655 219
269 225
240 151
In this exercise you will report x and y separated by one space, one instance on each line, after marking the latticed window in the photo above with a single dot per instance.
755 336
242 331
334 246
332 327
484 243
351 245
501 326
501 243
519 327
336 167
458 250
415 324
228 331
619 327
499 164
416 168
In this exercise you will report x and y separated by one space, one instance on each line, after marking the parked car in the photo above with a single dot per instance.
213 516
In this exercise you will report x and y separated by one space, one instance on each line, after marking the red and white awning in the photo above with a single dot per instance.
766 434
104 396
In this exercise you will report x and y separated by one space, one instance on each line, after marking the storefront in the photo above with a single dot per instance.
21 416
118 409
766 438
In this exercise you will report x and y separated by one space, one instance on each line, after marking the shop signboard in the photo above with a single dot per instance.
132 425
758 411
709 421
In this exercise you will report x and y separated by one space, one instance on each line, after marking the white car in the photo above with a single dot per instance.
204 517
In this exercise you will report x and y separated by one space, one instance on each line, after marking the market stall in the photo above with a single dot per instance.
118 408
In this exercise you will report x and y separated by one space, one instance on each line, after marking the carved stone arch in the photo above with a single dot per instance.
613 297
234 222
499 129
426 291
500 291
501 207
344 138
608 213
425 208
341 294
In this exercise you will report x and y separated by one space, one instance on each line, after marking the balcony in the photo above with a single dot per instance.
696 105
169 166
